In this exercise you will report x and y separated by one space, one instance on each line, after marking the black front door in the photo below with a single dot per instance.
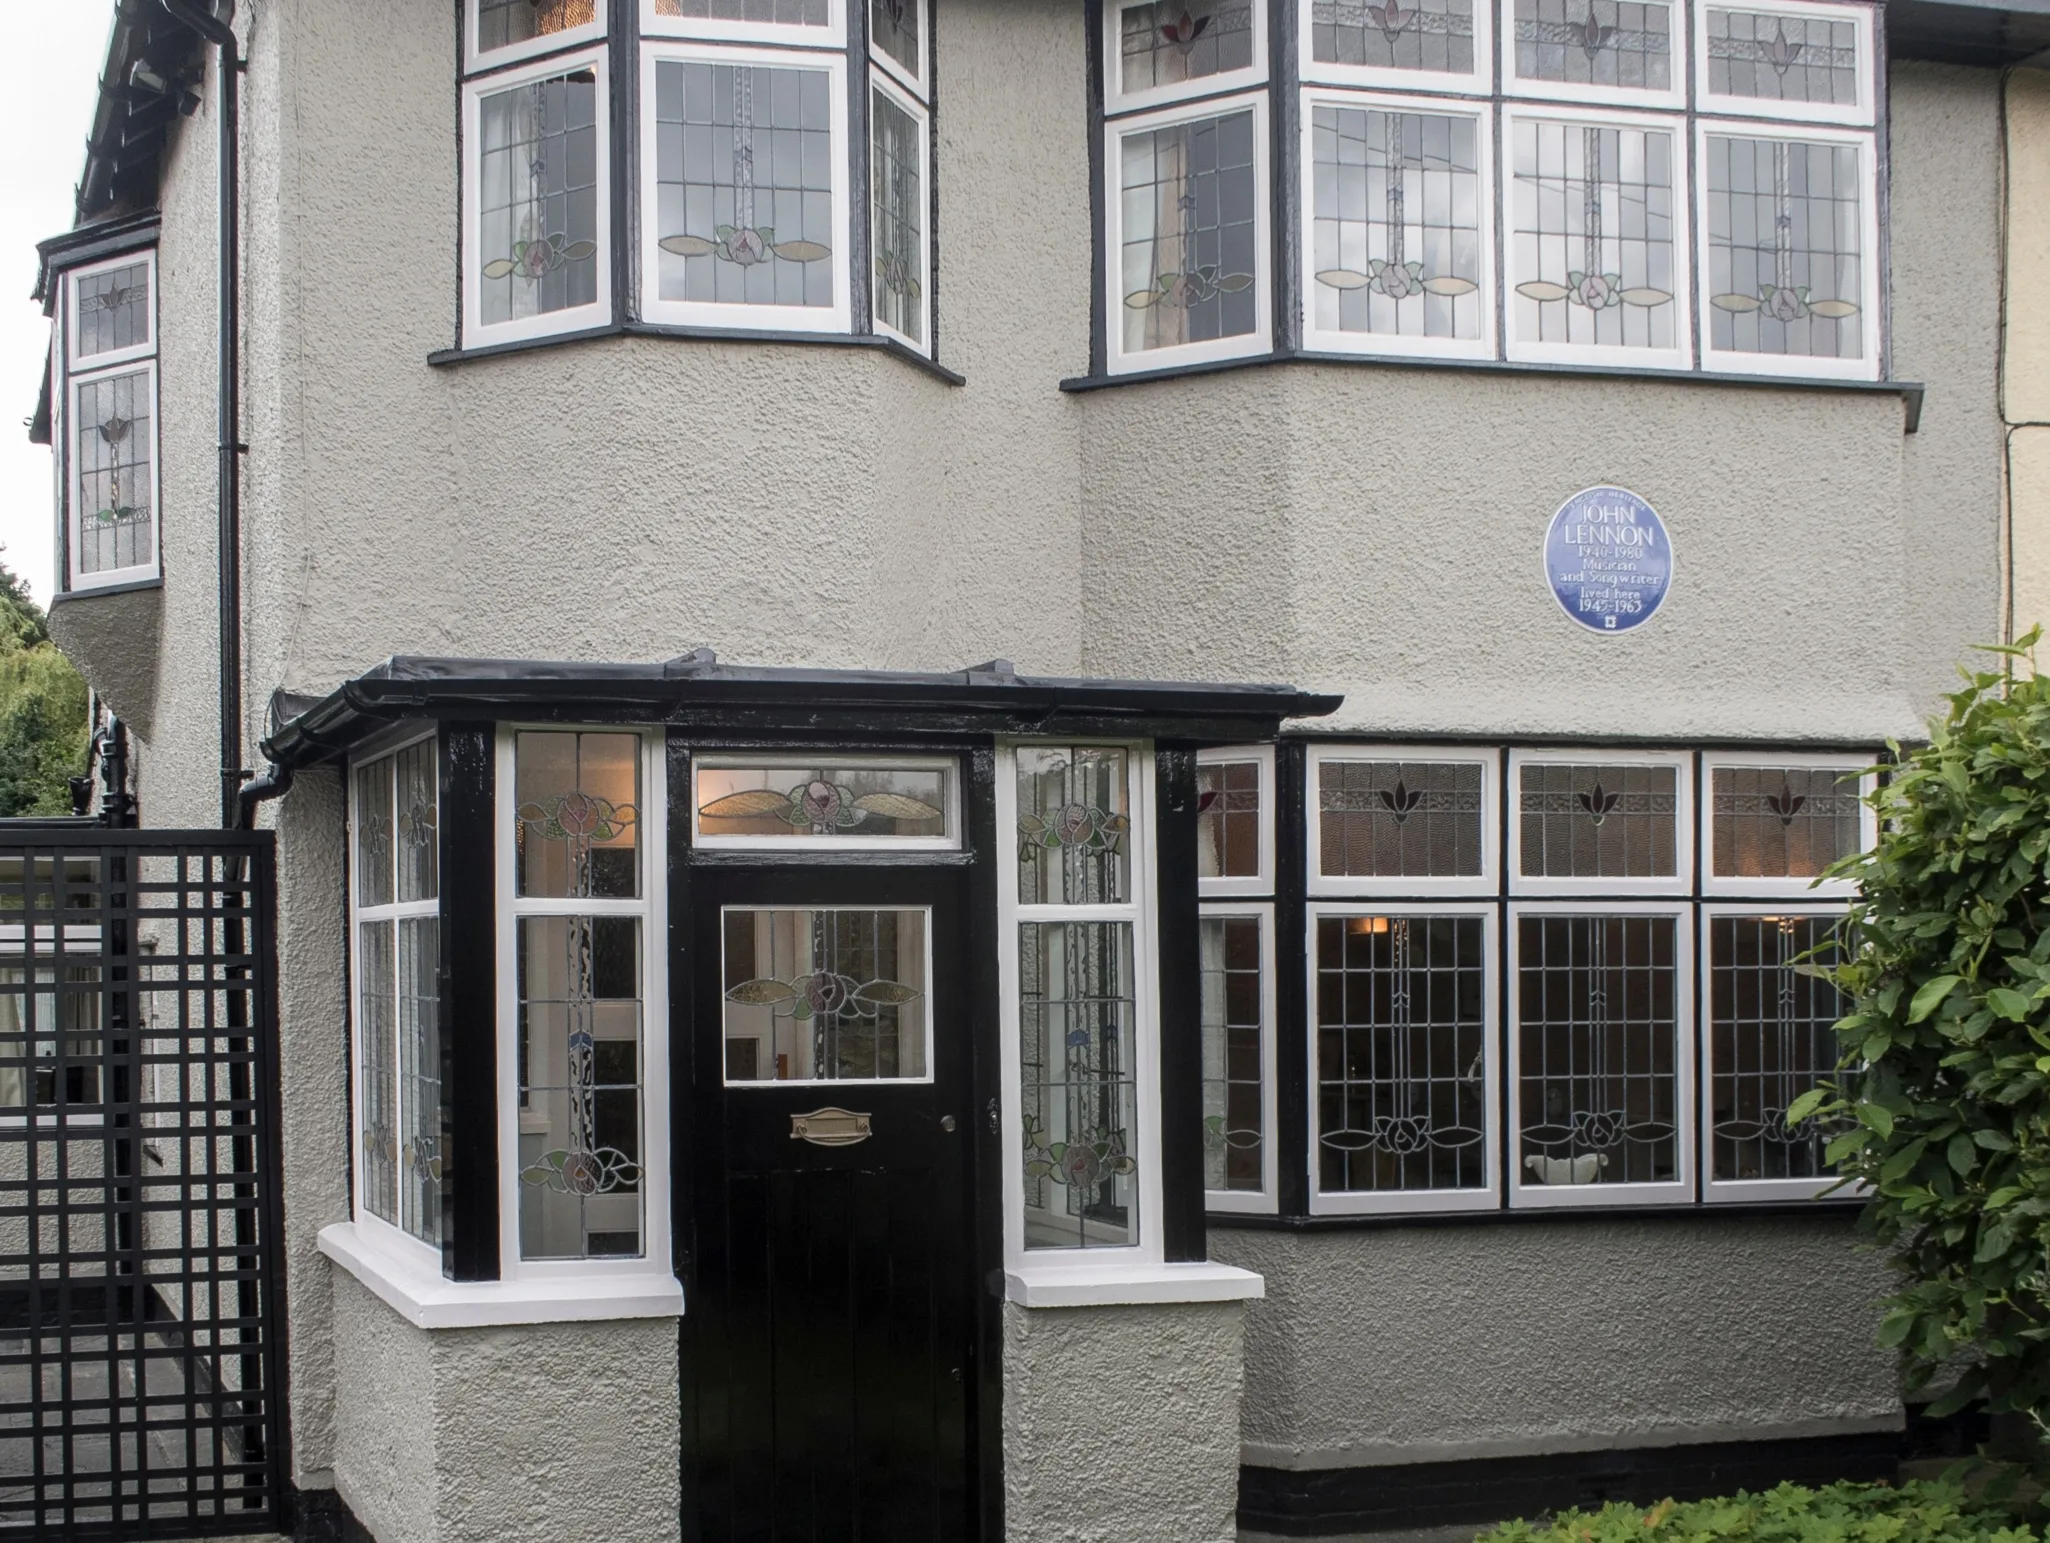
828 1317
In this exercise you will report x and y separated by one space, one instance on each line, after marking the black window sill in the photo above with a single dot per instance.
1909 391
100 591
1242 1221
642 329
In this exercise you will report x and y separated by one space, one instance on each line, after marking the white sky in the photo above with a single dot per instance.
50 60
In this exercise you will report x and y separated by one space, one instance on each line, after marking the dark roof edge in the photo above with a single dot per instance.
697 688
1985 34
89 243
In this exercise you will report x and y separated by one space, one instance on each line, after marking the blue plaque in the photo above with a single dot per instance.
1608 560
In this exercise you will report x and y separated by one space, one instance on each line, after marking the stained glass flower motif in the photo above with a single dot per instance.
1076 825
583 1173
823 994
823 808
1080 1162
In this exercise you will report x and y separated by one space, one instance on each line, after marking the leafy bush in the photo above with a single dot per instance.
1948 1120
42 710
1840 1513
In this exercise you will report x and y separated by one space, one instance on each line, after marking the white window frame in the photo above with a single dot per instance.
1736 1191
15 941
1324 1202
74 483
1480 82
761 1084
1674 96
1722 104
391 1236
1140 913
1618 356
476 60
1732 885
1486 883
1597 891
836 317
477 333
1262 882
80 364
652 911
782 34
1225 83
1527 1196
1245 345
1261 1202
1730 361
889 85
948 766
1334 340
920 84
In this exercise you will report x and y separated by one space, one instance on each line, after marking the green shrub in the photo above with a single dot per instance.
1840 1513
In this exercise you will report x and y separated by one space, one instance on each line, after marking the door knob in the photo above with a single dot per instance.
947 1123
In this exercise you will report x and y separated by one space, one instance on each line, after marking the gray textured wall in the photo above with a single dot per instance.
1121 1424
1422 1344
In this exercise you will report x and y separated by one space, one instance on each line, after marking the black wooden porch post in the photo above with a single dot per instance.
469 1002
1181 1005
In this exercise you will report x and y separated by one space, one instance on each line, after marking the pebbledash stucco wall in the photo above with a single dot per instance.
1435 1343
554 1433
1121 1424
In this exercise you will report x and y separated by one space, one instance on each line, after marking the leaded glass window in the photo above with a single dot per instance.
1235 1039
395 857
1400 819
1175 42
1772 1022
1602 44
1783 822
114 446
853 802
826 995
1593 233
539 195
1074 825
896 30
1431 36
113 311
1773 57
775 13
1598 1096
578 830
1231 821
1398 232
1188 259
504 24
1604 820
1401 1053
897 230
1786 247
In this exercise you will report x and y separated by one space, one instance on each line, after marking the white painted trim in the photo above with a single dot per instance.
1243 345
888 87
1680 1189
429 1301
1477 83
1133 1285
1378 1202
1400 345
652 910
785 34
1796 366
1674 96
919 84
826 760
706 313
1861 16
476 60
1486 882
113 356
1714 884
74 522
1678 883
1728 1191
1680 356
1262 882
1263 1201
476 331
1117 100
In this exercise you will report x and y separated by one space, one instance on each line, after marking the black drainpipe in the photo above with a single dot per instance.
222 37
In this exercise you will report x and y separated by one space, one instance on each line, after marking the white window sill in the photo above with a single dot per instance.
1130 1285
427 1300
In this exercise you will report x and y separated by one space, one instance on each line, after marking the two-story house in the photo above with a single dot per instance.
751 1068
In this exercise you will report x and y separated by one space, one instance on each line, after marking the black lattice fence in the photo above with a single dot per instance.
139 1311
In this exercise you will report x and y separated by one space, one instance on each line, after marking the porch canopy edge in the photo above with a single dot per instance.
697 691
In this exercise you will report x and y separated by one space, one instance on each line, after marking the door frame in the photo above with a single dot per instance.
982 1102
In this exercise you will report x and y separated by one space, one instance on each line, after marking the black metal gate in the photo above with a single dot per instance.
140 1319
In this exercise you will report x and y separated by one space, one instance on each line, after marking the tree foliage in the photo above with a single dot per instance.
42 710
1916 1512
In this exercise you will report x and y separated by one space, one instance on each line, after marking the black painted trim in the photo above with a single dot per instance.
1291 984
1911 392
1826 1208
985 1113
320 1516
646 329
1093 92
135 586
683 1129
1323 1502
89 244
1178 934
469 1002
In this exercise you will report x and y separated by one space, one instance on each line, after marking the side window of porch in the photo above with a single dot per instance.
104 422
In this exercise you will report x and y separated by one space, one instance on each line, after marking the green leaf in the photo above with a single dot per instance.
2008 1003
1963 1156
1875 1117
1902 1162
1810 1101
1930 996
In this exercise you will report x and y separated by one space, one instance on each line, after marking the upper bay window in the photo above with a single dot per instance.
1545 181
779 168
